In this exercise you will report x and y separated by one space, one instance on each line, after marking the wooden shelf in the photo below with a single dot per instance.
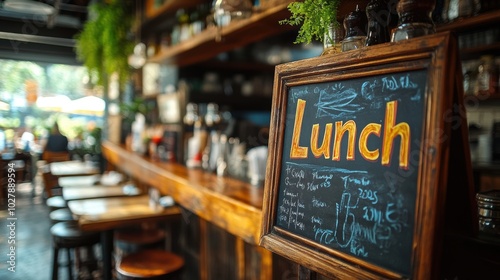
473 100
469 23
235 102
237 34
233 65
169 7
493 166
213 40
476 52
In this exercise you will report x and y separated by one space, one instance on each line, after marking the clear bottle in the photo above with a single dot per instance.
487 77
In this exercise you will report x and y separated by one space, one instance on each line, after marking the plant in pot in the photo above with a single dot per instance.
105 41
318 21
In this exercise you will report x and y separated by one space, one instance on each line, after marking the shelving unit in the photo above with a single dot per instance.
471 23
212 41
215 40
238 103
167 8
469 53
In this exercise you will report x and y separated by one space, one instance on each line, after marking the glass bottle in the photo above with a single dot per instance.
212 117
487 77
226 11
184 24
355 26
191 116
460 9
415 19
332 42
378 15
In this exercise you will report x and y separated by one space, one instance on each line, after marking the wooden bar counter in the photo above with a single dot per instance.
222 235
230 204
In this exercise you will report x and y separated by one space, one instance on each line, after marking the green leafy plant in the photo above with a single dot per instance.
105 42
314 17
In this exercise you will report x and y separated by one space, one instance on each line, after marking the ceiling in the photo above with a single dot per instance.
41 30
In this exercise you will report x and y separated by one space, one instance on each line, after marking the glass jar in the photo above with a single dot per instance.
355 28
332 42
415 20
487 77
488 204
226 11
460 9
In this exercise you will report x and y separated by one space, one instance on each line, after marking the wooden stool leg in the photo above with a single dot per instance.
78 261
55 264
90 259
70 264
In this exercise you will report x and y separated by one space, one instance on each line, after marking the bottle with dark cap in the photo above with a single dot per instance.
415 19
378 15
355 27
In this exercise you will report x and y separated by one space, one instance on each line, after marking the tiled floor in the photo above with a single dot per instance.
32 237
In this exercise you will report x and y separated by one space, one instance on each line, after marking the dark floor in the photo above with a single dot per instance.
32 237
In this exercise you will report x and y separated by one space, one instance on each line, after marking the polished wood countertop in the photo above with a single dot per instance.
231 204
72 168
100 214
97 191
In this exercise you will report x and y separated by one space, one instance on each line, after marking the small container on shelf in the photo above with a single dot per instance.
355 28
415 20
226 11
469 70
488 204
378 26
487 77
462 8
332 42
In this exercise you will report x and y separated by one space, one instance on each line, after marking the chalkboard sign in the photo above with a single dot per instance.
358 159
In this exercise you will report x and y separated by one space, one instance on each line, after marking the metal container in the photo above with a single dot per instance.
488 204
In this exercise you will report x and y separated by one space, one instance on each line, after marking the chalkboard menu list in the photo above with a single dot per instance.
349 173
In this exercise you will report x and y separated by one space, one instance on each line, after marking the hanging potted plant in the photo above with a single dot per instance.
317 20
105 42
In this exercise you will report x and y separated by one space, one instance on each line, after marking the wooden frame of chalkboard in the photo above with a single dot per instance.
358 159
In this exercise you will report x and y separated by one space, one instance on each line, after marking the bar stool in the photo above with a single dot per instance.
130 240
67 235
61 215
56 202
150 264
